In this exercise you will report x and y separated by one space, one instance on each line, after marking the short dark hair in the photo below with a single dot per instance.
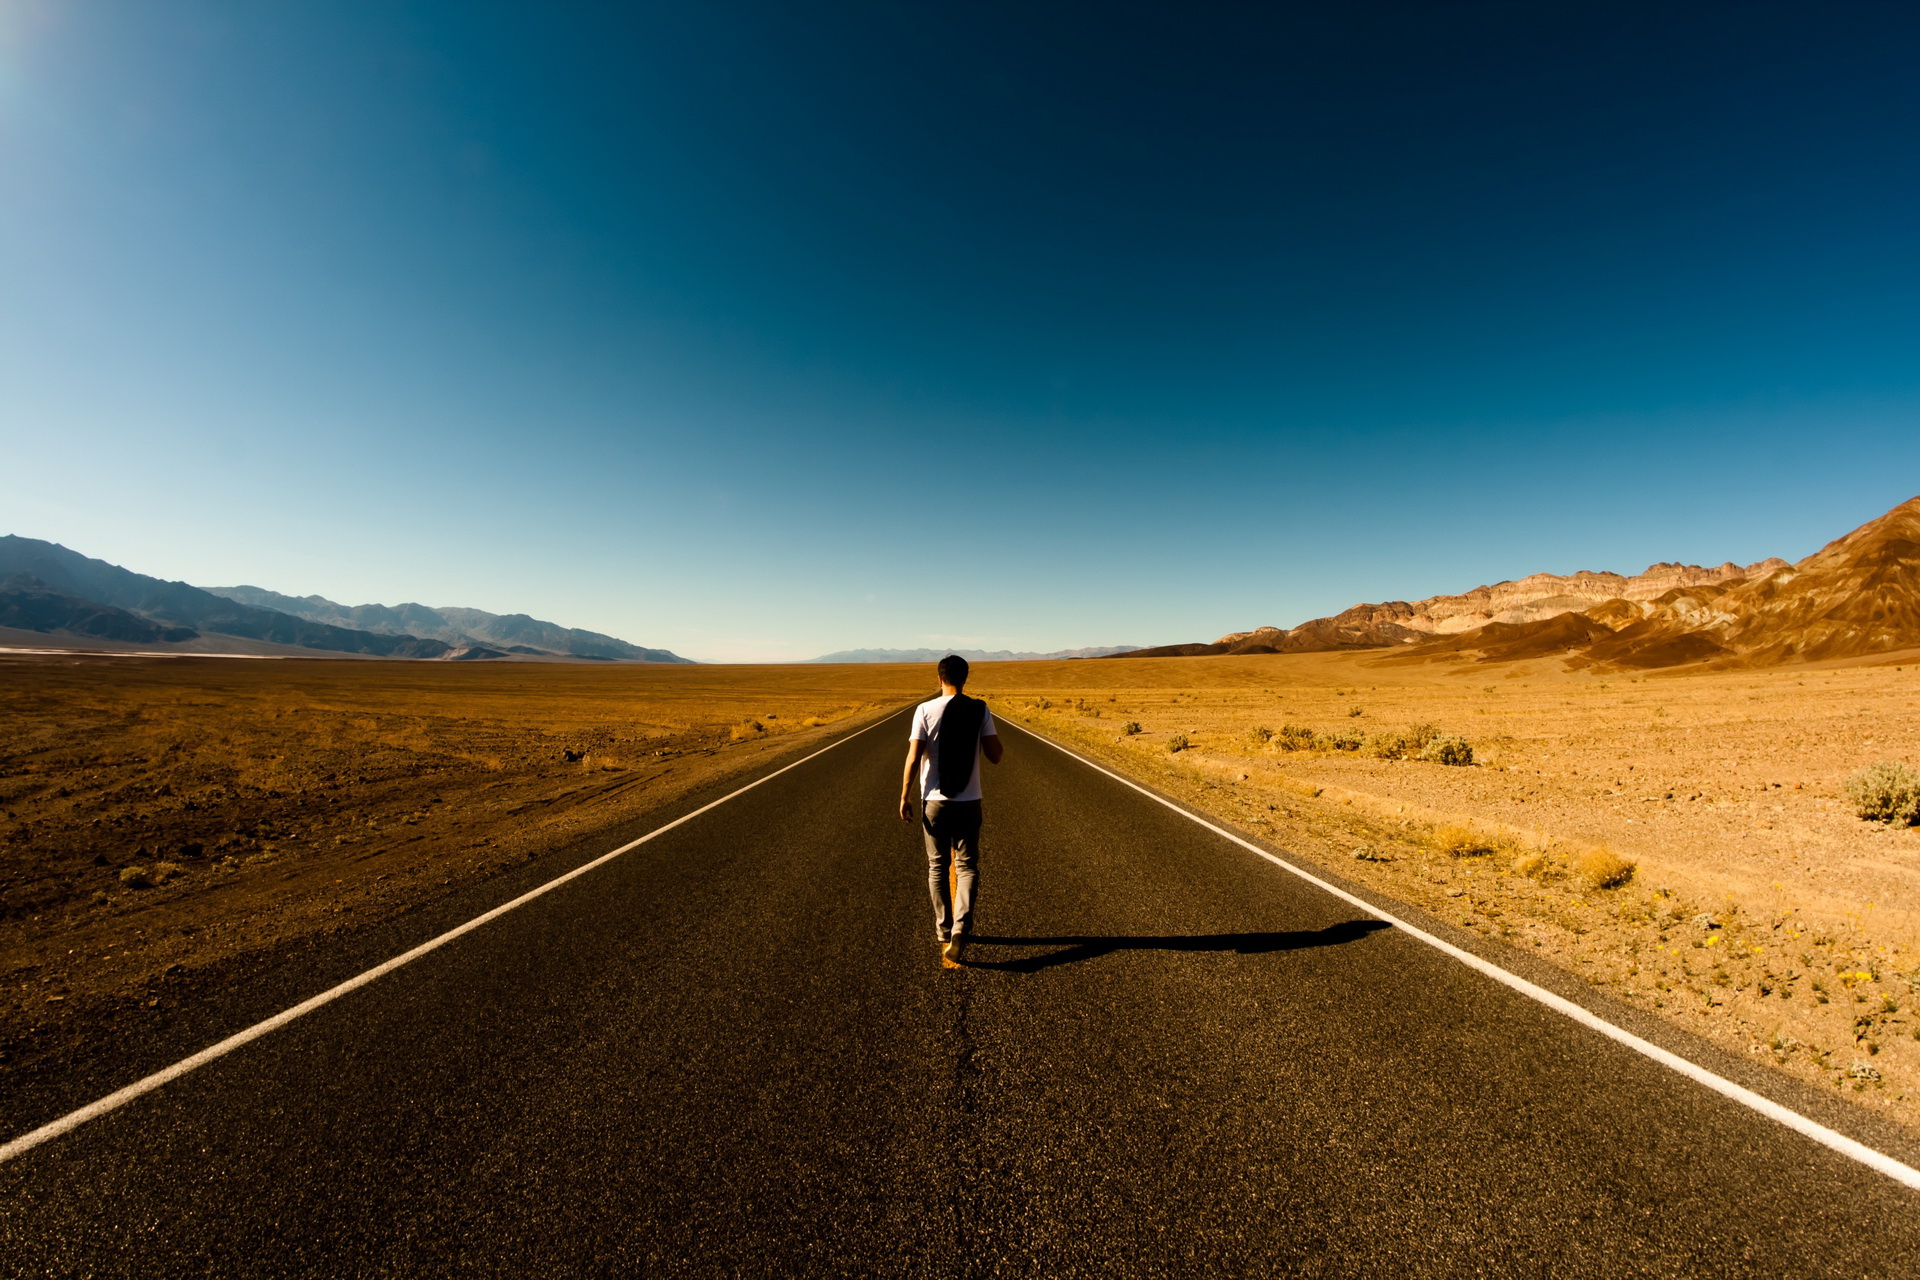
953 670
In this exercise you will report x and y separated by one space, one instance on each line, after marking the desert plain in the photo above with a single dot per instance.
1679 838
172 823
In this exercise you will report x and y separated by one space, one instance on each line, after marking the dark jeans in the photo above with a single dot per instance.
952 828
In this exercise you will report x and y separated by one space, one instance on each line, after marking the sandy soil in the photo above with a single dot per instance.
173 822
1761 912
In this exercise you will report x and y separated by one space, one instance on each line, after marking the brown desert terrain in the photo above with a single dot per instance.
169 823
1644 782
1758 909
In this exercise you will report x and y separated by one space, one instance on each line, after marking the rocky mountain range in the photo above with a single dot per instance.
1856 597
28 604
51 590
39 569
1859 595
459 628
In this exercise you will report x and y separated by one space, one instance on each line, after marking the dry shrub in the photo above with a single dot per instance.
1449 749
1886 791
1338 741
1296 737
1412 743
1178 743
1259 736
1603 869
136 877
1130 728
1388 746
747 729
1458 842
1530 865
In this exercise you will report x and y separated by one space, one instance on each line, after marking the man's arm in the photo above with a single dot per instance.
990 748
915 748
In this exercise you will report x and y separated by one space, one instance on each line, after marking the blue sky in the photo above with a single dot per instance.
763 330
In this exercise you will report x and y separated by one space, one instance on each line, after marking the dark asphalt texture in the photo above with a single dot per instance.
733 1051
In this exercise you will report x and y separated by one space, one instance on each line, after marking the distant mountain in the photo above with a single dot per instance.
1857 596
175 604
1534 598
971 655
461 628
28 604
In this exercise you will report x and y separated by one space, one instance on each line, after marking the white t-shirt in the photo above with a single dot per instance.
926 728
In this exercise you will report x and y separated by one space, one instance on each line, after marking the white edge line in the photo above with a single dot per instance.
1840 1142
119 1098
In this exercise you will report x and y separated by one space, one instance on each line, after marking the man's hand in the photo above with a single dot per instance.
915 749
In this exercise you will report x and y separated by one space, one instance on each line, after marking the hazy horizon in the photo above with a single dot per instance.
758 333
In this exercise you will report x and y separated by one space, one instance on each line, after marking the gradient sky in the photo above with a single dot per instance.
761 330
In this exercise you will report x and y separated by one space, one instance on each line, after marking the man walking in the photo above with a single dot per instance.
949 735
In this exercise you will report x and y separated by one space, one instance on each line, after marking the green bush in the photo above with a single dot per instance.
1886 791
1448 749
1130 728
1178 743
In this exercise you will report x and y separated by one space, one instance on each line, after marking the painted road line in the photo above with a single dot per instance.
113 1101
1836 1141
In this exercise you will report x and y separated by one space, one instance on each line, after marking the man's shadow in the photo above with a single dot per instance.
1075 949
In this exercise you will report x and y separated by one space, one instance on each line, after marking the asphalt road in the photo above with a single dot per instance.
734 1051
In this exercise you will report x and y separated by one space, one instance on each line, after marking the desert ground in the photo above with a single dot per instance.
1680 839
1759 911
167 823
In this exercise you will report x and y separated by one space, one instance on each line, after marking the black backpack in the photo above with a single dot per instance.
959 742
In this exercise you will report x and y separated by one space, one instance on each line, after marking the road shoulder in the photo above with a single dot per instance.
1199 798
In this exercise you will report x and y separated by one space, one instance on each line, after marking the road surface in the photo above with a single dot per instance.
733 1051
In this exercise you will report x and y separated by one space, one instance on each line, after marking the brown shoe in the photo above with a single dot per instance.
956 945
